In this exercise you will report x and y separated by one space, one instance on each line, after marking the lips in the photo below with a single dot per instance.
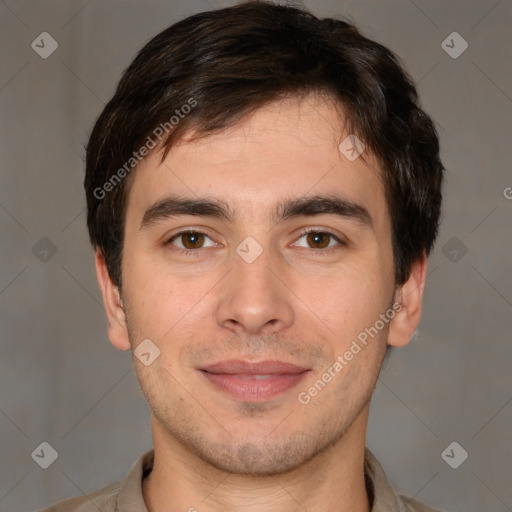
238 366
254 381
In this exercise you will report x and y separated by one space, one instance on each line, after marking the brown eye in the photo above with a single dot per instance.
321 241
192 240
318 239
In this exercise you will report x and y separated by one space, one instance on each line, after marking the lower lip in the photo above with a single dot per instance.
252 390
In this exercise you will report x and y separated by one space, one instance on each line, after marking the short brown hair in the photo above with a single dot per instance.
229 63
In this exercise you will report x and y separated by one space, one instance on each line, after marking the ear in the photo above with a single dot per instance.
410 296
116 317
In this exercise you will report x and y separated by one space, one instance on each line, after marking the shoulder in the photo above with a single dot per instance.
113 497
412 505
104 499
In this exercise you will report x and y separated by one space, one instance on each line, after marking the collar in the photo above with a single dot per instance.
381 494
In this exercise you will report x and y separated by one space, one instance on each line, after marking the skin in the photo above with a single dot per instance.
295 302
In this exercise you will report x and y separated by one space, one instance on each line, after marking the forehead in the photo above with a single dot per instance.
289 148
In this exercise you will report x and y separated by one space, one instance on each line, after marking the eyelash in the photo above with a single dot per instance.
194 252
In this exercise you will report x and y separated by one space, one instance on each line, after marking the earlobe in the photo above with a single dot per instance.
114 307
410 297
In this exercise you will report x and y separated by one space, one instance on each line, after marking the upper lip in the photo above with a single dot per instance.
239 366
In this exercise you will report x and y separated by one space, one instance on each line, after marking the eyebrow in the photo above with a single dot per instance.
330 204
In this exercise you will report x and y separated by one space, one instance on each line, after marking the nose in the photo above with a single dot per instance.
254 297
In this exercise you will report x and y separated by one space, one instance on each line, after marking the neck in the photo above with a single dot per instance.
333 481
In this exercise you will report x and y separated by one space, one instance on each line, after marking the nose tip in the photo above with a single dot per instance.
252 299
251 324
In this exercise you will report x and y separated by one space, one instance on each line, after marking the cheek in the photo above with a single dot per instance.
168 309
154 301
348 300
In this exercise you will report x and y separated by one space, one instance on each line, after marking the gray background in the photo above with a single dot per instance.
60 379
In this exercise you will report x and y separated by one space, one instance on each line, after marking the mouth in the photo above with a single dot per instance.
254 381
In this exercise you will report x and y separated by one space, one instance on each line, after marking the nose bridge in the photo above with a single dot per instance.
252 264
252 297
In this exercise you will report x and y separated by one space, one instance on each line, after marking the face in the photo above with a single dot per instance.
251 294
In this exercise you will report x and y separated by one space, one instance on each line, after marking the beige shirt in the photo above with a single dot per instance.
126 495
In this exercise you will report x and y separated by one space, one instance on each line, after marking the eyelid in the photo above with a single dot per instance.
317 229
168 240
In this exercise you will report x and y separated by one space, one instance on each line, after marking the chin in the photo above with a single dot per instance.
260 459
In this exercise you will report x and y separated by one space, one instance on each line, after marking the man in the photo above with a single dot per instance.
263 191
